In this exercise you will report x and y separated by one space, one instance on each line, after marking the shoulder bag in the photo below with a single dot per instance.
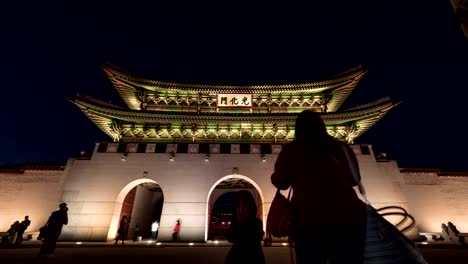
279 221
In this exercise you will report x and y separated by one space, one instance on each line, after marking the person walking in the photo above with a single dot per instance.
123 230
54 228
21 228
245 232
330 219
154 230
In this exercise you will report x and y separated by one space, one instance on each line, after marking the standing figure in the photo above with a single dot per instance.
54 227
123 230
13 232
154 230
175 233
22 227
246 232
136 234
330 219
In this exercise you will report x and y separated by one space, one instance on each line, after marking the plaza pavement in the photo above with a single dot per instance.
174 253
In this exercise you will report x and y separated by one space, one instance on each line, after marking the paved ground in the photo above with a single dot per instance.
175 254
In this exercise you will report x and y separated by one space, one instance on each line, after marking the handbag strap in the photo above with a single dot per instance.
355 174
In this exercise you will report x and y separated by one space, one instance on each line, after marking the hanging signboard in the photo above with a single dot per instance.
234 100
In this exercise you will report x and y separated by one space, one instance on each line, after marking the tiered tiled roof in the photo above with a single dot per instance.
161 111
338 88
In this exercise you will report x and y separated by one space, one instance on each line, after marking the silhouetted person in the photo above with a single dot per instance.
13 232
54 227
246 232
175 233
330 218
21 228
123 229
136 234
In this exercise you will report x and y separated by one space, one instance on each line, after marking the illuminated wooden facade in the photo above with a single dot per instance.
175 112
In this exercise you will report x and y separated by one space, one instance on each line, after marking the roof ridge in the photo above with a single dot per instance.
146 80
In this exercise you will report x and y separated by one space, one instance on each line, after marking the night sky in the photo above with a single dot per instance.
415 53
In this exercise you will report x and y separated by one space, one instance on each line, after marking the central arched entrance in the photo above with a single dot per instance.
141 200
220 201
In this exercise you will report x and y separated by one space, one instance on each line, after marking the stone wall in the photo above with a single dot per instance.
35 192
95 189
435 199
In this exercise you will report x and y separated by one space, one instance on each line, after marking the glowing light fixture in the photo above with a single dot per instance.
172 157
158 244
190 244
79 243
284 244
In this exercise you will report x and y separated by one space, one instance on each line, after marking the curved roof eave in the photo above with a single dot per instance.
127 84
110 113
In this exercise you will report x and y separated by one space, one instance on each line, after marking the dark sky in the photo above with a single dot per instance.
415 53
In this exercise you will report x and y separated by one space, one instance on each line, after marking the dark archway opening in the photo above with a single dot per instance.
221 202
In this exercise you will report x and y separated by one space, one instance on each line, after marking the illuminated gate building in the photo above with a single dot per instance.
179 151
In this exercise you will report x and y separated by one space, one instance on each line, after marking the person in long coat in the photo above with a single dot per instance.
54 228
330 220
123 230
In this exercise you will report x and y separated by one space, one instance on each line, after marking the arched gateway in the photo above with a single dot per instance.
144 201
197 141
232 183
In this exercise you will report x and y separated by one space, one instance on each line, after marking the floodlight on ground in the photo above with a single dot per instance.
264 159
123 157
172 157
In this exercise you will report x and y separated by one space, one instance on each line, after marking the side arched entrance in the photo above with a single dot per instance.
141 200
